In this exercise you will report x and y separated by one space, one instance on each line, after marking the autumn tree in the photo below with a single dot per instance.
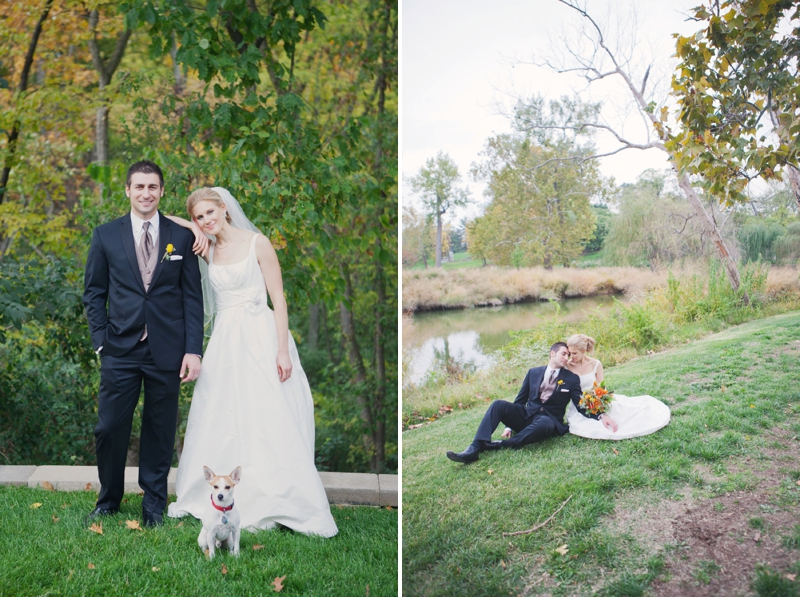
539 211
739 101
437 184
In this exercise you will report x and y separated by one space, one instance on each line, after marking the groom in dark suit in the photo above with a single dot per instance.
537 412
144 303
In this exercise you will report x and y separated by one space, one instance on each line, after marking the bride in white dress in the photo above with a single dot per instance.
629 416
252 406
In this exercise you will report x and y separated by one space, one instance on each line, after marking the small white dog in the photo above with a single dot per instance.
221 521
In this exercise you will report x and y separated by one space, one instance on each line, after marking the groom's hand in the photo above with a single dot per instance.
190 368
506 433
609 423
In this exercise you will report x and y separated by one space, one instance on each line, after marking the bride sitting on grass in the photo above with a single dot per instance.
632 416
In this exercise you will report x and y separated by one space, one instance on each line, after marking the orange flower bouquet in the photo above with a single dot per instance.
597 400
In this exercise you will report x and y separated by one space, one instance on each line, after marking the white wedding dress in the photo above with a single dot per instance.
242 415
635 415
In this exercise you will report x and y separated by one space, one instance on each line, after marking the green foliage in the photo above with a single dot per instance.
737 90
540 191
49 376
603 218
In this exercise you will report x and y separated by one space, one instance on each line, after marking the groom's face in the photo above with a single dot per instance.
559 358
145 191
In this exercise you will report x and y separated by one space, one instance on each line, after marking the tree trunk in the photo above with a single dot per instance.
354 357
438 239
794 179
313 326
710 228
379 433
101 135
13 136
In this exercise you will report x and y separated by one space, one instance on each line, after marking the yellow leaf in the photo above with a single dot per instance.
798 482
36 505
563 550
490 471
133 525
90 566
55 518
224 569
156 569
47 485
615 451
96 528
790 576
180 524
88 487
258 547
278 583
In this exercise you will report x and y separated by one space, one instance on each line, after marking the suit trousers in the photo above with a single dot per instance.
529 429
120 385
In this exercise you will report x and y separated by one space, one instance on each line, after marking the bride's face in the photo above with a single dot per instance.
209 216
575 355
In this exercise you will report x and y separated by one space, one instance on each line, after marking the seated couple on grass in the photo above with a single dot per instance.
549 393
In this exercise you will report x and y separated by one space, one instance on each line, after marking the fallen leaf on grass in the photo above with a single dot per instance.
36 505
415 426
47 485
503 563
180 524
615 451
156 569
798 483
71 572
278 583
55 518
445 409
790 576
563 550
460 405
205 551
757 536
87 487
64 505
389 508
90 566
224 569
140 493
96 528
490 471
258 547
133 525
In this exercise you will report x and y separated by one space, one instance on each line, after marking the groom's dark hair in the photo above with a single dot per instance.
555 347
145 167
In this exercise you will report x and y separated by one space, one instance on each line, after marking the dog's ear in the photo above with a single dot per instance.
208 473
236 474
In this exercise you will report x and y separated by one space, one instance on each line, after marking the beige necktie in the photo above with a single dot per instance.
547 389
148 242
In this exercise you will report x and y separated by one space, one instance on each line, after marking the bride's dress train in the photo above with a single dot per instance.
635 415
242 414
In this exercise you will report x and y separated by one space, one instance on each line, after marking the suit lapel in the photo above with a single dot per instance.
126 231
537 379
164 234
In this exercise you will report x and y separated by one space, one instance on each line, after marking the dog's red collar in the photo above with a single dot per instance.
220 508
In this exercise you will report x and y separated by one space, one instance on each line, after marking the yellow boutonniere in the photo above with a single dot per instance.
560 382
168 253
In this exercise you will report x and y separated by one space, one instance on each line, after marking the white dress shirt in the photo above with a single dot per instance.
137 224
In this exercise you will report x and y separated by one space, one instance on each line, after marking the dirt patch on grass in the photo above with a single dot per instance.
716 543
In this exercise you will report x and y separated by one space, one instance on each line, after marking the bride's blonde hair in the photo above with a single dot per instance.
581 342
205 194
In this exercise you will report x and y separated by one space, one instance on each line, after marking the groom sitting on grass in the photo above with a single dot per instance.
536 414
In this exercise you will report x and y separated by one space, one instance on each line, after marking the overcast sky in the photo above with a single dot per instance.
461 58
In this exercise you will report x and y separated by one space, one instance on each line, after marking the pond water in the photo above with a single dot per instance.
470 336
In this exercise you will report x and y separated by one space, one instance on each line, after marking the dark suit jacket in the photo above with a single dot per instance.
118 307
556 405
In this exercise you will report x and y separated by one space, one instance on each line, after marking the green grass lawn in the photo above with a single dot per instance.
462 260
48 550
735 401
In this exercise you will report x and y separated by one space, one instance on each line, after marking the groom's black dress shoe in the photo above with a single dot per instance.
465 457
493 445
152 519
98 513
